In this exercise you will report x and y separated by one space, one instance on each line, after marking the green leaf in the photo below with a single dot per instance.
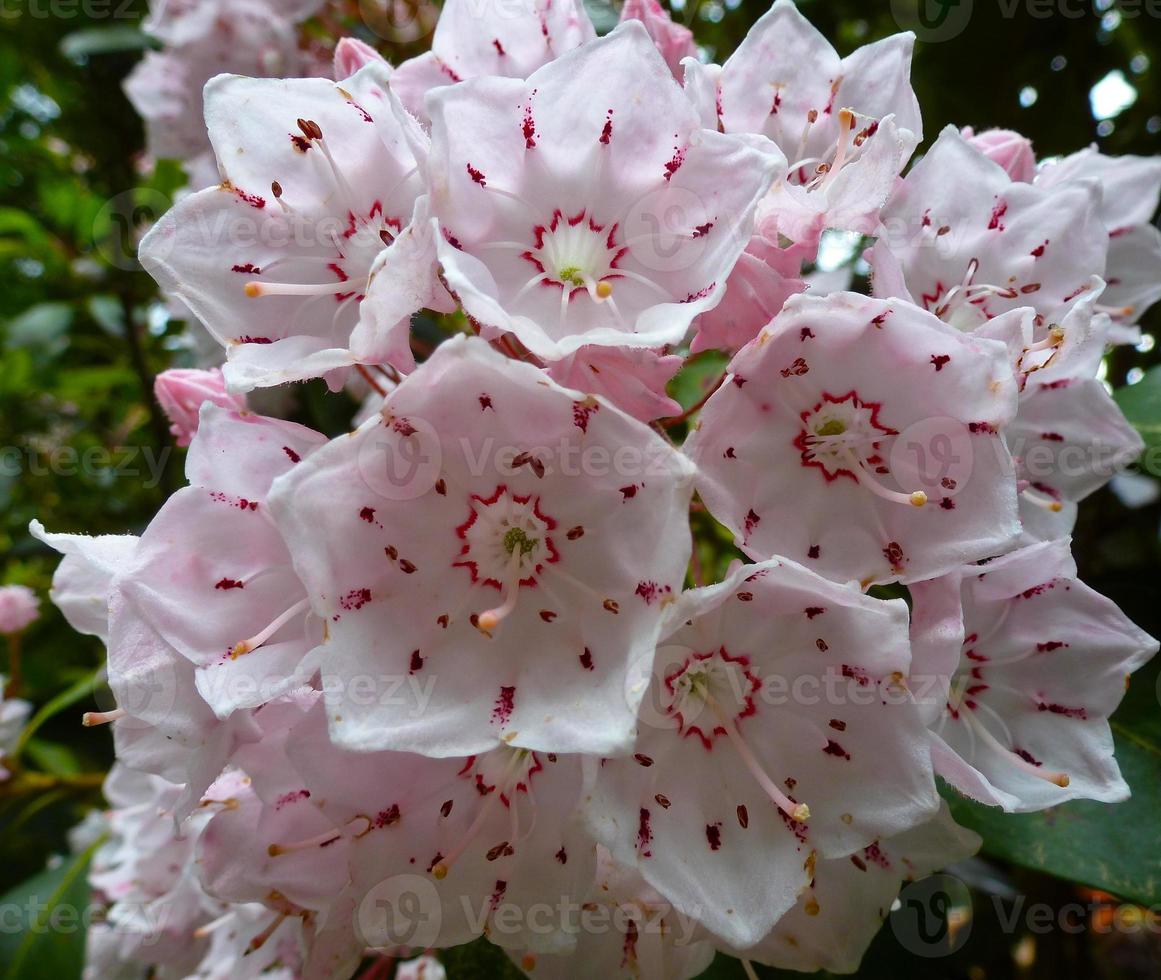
43 325
51 906
53 757
1108 846
699 372
1141 404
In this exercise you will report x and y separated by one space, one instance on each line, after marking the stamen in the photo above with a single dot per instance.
259 638
916 498
1041 501
503 784
256 288
1059 778
490 618
260 940
91 718
796 811
846 122
321 840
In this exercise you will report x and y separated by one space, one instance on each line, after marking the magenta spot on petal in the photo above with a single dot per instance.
502 710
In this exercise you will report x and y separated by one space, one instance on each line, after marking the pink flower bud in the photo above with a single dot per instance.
673 40
1008 148
351 54
19 608
181 394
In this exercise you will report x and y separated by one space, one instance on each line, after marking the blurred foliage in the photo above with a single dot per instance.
84 447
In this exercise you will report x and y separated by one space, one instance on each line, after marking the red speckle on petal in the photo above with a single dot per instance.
651 591
939 360
486 403
833 748
355 599
229 583
644 833
581 411
252 199
796 369
998 211
416 662
561 856
249 269
1039 249
894 555
504 705
385 818
528 127
813 551
675 162
477 176
812 611
607 131
743 816
291 455
586 659
751 522
629 492
713 835
368 514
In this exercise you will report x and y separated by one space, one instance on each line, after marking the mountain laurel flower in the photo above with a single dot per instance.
19 608
587 636
181 394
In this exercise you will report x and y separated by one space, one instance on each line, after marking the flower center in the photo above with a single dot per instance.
576 253
506 544
842 437
724 685
498 776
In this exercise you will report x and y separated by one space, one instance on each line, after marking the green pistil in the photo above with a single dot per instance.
832 428
572 275
517 538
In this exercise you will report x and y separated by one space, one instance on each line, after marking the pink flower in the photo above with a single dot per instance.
570 223
203 39
83 579
1028 663
469 838
633 379
502 546
962 239
321 183
837 916
638 929
211 574
846 126
1131 188
1068 437
351 54
674 41
182 393
1007 148
731 795
861 437
19 608
471 41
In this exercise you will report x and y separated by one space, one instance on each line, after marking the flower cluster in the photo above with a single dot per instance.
454 673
